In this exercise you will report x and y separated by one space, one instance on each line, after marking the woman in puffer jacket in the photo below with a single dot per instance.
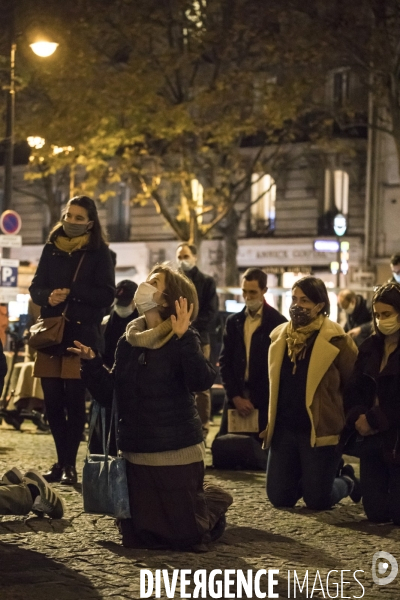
158 367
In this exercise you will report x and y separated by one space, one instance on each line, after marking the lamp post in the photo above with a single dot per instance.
42 49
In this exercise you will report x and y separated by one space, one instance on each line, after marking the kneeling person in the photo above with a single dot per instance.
244 355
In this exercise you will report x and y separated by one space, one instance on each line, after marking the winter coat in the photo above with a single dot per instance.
361 317
233 359
208 303
376 394
331 363
154 392
91 293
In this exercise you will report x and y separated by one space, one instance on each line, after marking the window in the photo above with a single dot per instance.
197 197
336 191
341 87
118 215
263 197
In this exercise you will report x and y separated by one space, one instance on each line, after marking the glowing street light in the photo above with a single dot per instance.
36 141
44 49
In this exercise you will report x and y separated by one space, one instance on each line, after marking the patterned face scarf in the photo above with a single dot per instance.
297 338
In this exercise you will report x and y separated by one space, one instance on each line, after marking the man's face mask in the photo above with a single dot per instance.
253 305
187 264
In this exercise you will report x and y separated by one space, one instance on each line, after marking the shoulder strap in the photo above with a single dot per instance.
113 422
96 411
78 267
73 280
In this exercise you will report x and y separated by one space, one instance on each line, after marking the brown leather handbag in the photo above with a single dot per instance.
49 331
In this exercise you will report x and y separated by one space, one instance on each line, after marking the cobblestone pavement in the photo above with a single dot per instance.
80 557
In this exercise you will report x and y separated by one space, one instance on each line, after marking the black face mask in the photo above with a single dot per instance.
300 316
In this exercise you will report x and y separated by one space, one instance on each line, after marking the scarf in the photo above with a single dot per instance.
138 335
71 244
297 339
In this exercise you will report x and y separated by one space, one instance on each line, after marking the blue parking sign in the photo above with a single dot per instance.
9 273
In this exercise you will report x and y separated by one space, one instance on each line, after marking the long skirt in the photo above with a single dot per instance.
171 507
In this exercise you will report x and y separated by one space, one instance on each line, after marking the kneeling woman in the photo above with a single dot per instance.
372 402
158 366
310 360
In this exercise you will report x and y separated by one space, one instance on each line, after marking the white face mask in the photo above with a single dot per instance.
186 265
389 325
144 297
350 309
397 277
123 311
253 305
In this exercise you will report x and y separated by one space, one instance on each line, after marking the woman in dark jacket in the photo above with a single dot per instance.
76 275
158 366
372 403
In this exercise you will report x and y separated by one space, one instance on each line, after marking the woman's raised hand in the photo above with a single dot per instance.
84 352
181 322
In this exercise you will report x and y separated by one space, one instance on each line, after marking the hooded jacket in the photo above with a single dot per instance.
331 363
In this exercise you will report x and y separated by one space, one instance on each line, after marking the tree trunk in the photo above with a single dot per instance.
231 230
52 204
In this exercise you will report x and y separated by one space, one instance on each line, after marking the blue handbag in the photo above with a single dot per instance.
104 481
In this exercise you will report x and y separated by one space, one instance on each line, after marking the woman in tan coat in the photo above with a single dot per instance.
310 361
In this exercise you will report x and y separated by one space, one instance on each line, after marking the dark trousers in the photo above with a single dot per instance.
380 485
65 408
296 470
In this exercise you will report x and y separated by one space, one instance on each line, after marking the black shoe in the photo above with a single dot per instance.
348 472
13 419
69 475
218 528
54 475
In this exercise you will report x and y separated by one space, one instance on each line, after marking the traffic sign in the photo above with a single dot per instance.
10 241
9 272
8 294
10 222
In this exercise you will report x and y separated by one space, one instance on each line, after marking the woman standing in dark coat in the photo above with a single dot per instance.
372 403
76 247
158 366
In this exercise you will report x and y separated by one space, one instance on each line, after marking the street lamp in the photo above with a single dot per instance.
43 49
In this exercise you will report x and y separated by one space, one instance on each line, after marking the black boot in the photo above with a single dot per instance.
54 475
69 475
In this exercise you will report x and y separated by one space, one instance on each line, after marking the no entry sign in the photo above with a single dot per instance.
10 222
